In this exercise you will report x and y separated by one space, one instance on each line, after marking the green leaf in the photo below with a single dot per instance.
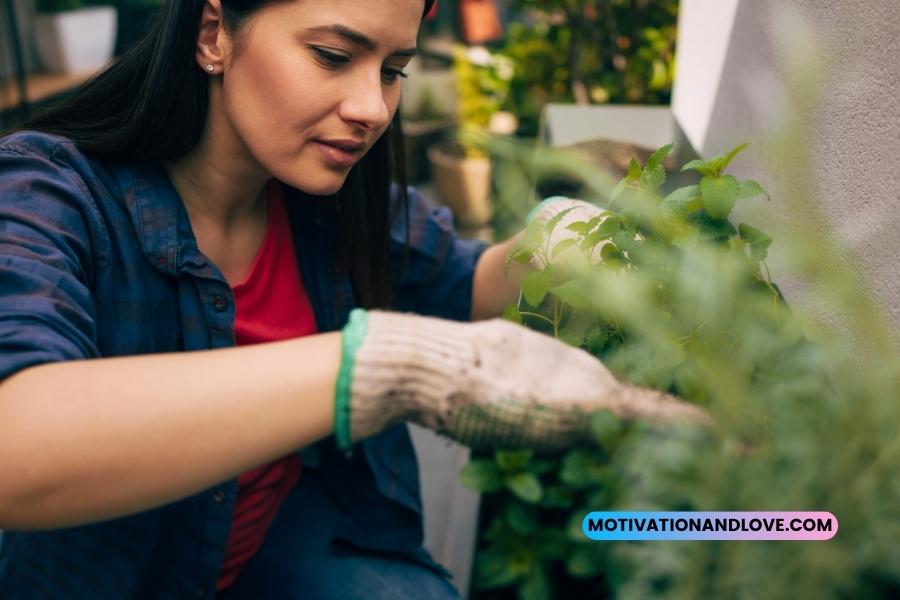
707 167
719 195
653 174
525 486
521 518
588 243
724 161
554 221
585 562
684 200
558 496
582 469
522 255
634 170
609 226
539 466
576 293
536 586
609 251
581 227
605 427
595 341
535 286
759 242
494 568
747 188
561 246
513 460
481 476
714 166
511 313
572 335
710 229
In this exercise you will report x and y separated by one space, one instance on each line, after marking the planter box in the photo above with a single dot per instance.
464 184
76 41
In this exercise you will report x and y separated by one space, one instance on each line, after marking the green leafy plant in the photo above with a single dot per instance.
591 53
671 295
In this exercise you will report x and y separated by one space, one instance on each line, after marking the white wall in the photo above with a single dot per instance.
731 89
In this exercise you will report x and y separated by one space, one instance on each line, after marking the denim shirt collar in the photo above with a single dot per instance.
161 221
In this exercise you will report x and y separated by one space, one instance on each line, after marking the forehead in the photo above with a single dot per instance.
390 24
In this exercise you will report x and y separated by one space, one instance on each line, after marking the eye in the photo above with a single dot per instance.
331 59
390 76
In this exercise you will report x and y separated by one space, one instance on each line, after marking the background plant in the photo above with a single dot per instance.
590 52
482 85
681 300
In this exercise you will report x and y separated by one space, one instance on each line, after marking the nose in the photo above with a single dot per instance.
365 104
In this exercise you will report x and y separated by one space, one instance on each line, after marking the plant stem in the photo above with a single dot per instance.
538 316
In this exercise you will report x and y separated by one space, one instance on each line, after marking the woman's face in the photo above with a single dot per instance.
309 86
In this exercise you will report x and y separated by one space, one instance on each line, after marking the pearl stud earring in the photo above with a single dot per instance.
209 68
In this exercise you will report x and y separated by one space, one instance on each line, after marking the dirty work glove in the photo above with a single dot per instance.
576 210
485 384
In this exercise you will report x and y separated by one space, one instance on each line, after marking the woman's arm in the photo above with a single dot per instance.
137 432
492 290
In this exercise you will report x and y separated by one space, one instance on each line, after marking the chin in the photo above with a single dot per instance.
320 186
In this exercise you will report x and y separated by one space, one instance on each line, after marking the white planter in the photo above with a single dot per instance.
76 41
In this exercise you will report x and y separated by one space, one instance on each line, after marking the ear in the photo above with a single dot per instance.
213 43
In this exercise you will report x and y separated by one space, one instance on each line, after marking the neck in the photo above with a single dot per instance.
219 181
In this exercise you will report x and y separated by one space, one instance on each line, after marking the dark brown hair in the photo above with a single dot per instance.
151 105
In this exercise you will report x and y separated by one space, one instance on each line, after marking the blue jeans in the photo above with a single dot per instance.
299 560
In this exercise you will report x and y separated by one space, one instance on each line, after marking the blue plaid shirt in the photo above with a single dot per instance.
98 259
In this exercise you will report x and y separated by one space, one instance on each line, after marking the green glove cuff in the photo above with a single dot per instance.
351 338
541 205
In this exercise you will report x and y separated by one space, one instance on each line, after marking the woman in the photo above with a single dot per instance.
228 182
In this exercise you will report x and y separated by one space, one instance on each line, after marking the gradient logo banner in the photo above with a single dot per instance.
787 526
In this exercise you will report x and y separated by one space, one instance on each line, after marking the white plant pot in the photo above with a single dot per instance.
464 184
76 41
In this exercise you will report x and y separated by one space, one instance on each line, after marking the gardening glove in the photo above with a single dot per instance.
487 384
575 211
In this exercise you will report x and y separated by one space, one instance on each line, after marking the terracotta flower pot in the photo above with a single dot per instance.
464 184
480 21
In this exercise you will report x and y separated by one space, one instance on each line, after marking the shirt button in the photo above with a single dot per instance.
219 303
219 497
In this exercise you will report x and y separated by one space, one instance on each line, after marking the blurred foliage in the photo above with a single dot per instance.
671 295
590 52
482 82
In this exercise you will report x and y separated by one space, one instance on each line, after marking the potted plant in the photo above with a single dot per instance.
72 37
462 171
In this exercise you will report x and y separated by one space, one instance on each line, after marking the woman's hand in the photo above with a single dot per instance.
488 384
575 211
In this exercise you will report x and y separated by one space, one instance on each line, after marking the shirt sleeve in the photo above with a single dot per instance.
438 277
46 309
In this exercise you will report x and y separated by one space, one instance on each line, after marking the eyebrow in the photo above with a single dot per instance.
358 38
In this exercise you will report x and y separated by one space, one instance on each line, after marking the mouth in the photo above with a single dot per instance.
341 153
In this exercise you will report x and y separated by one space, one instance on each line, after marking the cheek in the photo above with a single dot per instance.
271 100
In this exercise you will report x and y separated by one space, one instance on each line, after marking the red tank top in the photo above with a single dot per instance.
270 305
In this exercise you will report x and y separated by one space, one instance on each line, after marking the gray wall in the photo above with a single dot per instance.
731 87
